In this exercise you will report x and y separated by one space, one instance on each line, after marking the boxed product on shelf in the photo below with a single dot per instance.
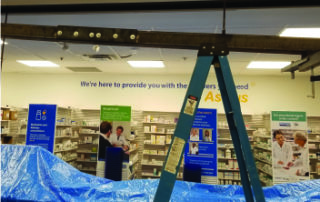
93 157
168 139
58 147
318 168
74 145
146 151
230 164
155 152
5 114
66 144
170 131
13 115
235 165
147 141
87 139
153 128
161 152
146 129
161 130
160 139
153 139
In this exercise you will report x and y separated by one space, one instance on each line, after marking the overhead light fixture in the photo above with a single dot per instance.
38 63
301 32
146 64
268 64
1 42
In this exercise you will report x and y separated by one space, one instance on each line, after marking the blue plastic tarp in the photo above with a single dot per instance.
31 173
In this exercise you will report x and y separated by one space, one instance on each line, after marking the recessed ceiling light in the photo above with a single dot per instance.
146 64
267 64
301 32
1 42
38 63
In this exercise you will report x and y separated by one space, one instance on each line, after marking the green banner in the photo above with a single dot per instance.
115 113
288 116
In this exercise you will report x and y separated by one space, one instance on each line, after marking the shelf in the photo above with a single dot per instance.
80 152
315 159
263 136
313 148
85 126
314 134
88 144
89 133
228 129
314 141
267 149
162 123
154 155
228 139
264 161
220 158
66 137
149 164
226 169
65 150
225 148
157 144
314 173
71 160
5 120
264 172
229 179
157 133
63 125
87 170
86 161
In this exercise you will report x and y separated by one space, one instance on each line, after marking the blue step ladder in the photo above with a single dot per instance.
208 55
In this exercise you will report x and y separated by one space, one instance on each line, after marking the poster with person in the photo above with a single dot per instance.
290 152
201 148
115 131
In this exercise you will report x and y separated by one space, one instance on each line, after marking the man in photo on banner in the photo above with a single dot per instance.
119 140
302 161
282 150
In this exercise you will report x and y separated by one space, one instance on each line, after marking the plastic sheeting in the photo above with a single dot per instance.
34 174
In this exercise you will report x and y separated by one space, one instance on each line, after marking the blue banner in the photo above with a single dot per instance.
41 125
202 145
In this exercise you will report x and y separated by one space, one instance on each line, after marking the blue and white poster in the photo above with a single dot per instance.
41 125
201 148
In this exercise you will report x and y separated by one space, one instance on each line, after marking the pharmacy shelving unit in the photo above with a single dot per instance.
85 125
66 142
228 170
87 152
14 131
158 128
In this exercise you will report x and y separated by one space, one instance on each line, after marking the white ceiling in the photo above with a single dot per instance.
261 21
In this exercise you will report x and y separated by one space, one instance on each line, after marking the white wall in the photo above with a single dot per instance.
264 93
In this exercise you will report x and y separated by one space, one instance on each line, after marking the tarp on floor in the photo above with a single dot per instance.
33 174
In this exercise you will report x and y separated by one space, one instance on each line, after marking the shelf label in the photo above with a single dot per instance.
174 155
41 125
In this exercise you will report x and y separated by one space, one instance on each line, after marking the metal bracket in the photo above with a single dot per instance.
94 35
219 49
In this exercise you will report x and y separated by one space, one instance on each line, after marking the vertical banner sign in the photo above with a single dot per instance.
201 148
120 118
290 152
41 125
